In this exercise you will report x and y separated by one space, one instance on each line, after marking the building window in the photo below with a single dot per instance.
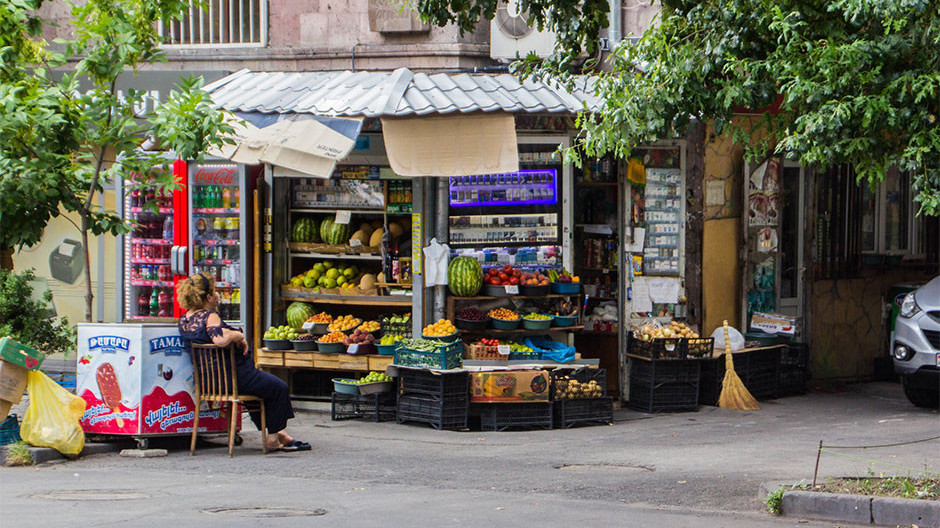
890 224
219 22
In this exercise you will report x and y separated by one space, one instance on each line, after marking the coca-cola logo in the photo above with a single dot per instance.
216 176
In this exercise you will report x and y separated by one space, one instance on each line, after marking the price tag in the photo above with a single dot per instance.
503 350
352 349
355 242
308 325
512 289
342 217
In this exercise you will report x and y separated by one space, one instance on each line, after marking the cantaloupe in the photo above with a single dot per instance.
361 236
367 282
381 277
376 239
376 224
367 228
395 230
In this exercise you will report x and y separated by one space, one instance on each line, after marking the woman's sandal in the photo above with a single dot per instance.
296 445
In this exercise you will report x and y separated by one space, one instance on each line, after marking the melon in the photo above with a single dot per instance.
333 233
325 228
305 230
361 236
464 276
395 230
376 224
298 313
367 282
376 238
367 228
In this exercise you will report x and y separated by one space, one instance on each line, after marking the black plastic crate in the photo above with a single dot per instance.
794 370
561 379
759 371
664 385
439 413
375 407
502 416
671 347
442 385
583 411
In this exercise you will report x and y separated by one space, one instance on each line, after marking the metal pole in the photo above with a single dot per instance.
816 471
417 277
441 232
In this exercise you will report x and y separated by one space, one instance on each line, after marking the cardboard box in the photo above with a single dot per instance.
5 407
774 323
509 386
20 354
12 382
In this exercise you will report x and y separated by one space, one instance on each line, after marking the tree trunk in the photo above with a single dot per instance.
6 259
89 292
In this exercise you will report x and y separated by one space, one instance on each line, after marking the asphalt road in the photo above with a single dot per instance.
691 469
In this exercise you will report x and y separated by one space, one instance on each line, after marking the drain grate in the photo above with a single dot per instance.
91 495
265 512
595 467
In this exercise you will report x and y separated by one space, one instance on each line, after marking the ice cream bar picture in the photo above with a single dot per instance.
109 388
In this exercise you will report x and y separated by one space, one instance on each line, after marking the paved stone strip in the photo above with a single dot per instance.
861 509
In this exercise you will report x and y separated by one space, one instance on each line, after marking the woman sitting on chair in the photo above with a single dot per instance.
201 324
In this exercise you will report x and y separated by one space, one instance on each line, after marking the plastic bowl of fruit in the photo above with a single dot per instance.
305 343
345 386
386 350
449 338
373 327
504 324
346 323
566 288
362 349
492 290
332 343
471 319
564 320
535 321
319 328
278 344
375 383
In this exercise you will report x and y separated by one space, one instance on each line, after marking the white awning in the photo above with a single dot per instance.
451 145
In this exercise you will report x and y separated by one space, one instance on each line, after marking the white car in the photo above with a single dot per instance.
916 345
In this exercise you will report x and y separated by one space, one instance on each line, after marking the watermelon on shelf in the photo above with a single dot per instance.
337 234
305 229
298 313
325 226
464 276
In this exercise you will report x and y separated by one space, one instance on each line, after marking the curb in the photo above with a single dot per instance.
861 509
47 454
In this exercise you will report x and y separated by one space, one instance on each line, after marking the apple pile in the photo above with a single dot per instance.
505 276
358 337
534 279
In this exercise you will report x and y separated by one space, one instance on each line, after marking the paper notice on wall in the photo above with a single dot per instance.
641 295
664 290
639 238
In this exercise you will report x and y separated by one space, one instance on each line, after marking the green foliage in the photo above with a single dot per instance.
774 500
18 454
26 319
855 81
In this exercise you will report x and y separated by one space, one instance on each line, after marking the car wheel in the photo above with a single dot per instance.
920 397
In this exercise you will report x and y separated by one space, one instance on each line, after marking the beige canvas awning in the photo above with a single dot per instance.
451 145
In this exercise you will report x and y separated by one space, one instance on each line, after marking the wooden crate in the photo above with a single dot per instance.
379 363
348 362
298 359
269 358
326 361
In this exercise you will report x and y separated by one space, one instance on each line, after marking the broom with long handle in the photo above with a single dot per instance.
734 395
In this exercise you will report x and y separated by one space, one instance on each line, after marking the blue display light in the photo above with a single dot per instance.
525 187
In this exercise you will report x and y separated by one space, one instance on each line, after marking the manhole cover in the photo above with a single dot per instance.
595 467
265 512
92 495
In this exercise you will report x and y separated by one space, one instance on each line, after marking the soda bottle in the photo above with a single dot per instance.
151 195
168 228
143 305
214 196
235 198
135 198
226 198
218 225
164 301
154 303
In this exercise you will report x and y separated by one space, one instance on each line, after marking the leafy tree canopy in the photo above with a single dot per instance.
849 81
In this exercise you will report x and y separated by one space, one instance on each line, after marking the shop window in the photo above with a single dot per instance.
890 224
218 22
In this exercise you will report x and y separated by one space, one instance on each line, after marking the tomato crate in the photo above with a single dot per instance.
582 411
441 385
377 407
484 353
438 413
672 347
502 416
445 356
584 382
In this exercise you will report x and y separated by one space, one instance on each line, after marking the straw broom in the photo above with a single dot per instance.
734 395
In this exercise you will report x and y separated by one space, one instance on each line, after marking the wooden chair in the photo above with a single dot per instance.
215 380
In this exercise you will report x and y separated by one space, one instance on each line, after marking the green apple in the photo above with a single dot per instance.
327 264
330 283
310 272
322 281
349 272
310 282
319 267
340 280
332 273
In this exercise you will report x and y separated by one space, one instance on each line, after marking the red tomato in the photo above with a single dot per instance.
503 276
516 273
514 280
507 269
494 271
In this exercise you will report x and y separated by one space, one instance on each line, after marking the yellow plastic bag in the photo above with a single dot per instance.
53 418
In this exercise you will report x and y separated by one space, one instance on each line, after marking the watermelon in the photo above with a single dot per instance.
325 226
336 234
305 230
298 313
464 276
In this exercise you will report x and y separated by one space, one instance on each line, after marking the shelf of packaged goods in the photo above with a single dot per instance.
214 262
600 270
337 256
332 210
221 284
215 210
392 210
498 243
486 298
361 300
159 284
150 261
213 242
595 184
161 210
152 241
523 331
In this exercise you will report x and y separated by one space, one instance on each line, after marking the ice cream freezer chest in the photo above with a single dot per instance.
137 380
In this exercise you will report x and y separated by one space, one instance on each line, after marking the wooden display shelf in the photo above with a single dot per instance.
356 300
321 361
336 256
393 285
486 297
523 331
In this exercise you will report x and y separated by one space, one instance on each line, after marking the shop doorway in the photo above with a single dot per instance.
792 266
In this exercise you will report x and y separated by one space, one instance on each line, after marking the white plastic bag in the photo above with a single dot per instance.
737 340
436 257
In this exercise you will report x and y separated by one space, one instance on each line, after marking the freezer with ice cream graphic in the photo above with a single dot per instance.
137 380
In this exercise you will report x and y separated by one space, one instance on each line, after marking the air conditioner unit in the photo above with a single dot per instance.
511 37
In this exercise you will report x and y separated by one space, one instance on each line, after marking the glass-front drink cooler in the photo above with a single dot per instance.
147 272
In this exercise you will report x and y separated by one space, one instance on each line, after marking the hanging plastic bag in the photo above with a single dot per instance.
551 350
53 418
737 340
436 257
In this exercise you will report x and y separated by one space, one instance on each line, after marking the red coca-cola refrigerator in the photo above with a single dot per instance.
201 227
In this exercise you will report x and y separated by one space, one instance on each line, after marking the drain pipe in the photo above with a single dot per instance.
614 33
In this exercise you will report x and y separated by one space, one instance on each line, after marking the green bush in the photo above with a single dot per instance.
26 319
